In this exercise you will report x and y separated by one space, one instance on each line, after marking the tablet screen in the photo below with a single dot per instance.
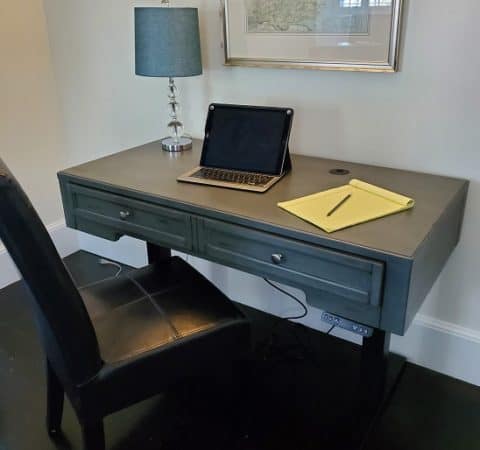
252 139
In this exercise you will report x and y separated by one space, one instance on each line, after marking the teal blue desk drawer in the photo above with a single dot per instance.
334 281
111 216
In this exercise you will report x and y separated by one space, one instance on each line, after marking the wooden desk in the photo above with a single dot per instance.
377 273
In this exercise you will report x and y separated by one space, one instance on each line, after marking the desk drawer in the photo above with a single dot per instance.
338 282
113 216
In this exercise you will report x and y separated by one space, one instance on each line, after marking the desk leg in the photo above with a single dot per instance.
157 254
379 374
373 369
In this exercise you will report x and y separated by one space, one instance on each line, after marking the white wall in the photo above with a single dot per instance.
423 118
31 140
105 107
30 128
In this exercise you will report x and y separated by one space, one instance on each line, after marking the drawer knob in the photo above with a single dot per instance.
125 215
278 258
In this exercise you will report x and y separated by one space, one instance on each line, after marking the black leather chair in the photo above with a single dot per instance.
123 340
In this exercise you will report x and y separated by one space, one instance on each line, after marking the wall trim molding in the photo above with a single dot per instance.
65 240
448 327
442 346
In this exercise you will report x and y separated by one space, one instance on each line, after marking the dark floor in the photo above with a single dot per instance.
294 402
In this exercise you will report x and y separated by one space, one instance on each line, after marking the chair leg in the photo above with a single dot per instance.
93 436
55 398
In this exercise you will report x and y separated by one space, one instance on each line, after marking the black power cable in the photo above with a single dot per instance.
305 309
270 343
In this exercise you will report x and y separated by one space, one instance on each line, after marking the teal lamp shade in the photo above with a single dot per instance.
167 42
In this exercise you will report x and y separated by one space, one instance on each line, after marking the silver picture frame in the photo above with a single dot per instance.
390 65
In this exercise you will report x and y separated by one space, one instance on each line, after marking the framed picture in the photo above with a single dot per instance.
356 35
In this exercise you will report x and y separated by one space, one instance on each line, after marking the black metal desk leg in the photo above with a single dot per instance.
373 389
156 253
373 369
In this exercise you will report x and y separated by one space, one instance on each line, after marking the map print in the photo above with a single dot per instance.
307 16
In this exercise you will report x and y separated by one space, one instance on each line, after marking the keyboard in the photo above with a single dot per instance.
232 176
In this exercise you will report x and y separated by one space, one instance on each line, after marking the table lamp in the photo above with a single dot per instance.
167 44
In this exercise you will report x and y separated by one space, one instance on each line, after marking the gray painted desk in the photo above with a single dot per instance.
377 273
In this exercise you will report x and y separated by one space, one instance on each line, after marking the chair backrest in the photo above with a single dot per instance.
67 332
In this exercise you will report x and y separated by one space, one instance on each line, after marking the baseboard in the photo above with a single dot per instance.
443 347
64 239
449 328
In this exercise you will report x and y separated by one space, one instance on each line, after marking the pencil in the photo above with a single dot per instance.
339 205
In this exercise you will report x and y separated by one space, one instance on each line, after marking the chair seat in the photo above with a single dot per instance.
154 308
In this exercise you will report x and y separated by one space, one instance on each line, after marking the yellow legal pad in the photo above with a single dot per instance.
367 202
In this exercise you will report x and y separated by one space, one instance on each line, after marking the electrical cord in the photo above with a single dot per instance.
305 309
106 262
307 350
270 343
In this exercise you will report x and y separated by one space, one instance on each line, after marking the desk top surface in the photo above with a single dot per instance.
152 172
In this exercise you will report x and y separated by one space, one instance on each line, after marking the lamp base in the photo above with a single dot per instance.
174 146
